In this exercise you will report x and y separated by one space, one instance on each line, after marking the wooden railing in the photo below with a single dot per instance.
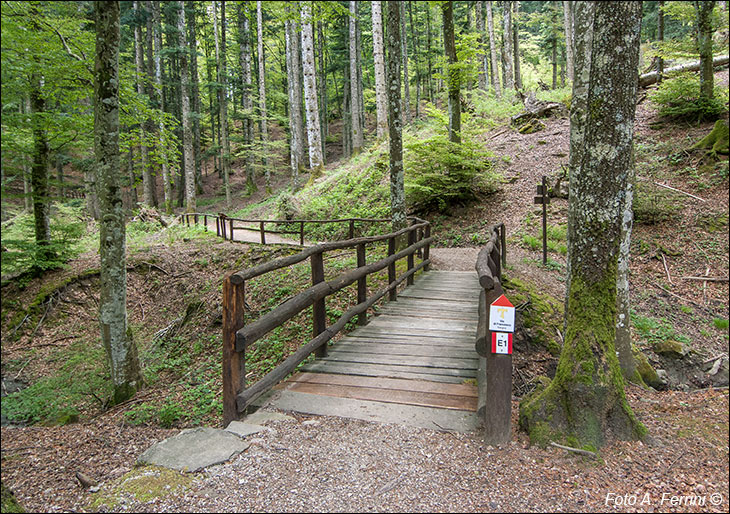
494 375
237 336
226 225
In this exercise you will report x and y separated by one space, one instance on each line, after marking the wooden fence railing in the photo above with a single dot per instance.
237 336
494 375
225 225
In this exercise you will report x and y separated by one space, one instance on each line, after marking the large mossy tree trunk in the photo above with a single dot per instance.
585 403
117 339
704 42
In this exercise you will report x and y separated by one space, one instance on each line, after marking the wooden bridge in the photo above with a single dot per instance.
421 360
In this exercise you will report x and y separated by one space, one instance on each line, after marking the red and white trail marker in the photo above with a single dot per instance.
502 315
502 343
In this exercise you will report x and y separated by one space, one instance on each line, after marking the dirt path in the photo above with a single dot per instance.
245 235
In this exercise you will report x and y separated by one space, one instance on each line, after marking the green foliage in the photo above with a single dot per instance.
679 98
656 331
440 173
653 205
720 324
81 381
23 253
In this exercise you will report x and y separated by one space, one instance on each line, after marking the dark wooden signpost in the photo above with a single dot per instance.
543 199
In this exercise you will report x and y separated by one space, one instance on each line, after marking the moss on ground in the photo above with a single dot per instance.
141 485
9 503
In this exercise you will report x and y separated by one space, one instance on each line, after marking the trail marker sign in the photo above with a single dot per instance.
502 315
502 343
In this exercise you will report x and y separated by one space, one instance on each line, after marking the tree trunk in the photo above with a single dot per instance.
356 124
454 84
481 54
416 45
406 79
196 108
623 298
148 184
660 38
585 402
188 159
704 42
322 84
296 130
117 339
314 139
509 79
262 95
381 95
157 52
397 188
648 79
516 45
39 172
568 23
496 84
428 53
244 32
555 63
220 58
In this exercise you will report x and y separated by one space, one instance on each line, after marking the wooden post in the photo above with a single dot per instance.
392 294
544 219
301 233
362 287
351 232
427 248
217 226
498 408
503 246
263 232
411 240
230 225
223 226
205 222
195 217
187 220
234 363
318 309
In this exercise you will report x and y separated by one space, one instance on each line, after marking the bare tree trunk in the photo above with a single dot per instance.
428 53
381 95
195 102
262 95
452 74
397 188
516 45
157 52
296 130
481 54
39 171
660 38
356 125
406 78
509 78
322 84
416 45
496 84
117 339
148 184
704 42
316 162
244 31
188 159
220 57
568 23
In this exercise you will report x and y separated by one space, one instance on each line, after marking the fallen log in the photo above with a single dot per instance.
648 79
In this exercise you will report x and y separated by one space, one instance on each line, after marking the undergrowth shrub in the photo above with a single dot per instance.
440 173
679 98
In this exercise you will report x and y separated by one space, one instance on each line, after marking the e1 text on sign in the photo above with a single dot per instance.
502 315
502 343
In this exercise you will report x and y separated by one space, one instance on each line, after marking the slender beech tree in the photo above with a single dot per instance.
314 139
117 339
453 75
188 159
704 42
406 80
381 94
220 58
516 44
356 124
264 134
585 402
244 34
481 54
507 57
157 53
496 84
39 170
395 122
195 98
660 39
148 184
416 53
568 23
296 128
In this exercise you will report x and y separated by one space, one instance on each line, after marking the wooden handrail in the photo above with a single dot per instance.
238 337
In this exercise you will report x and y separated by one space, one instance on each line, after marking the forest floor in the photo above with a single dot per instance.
335 464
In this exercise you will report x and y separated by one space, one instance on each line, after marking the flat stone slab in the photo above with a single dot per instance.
194 449
262 416
242 429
